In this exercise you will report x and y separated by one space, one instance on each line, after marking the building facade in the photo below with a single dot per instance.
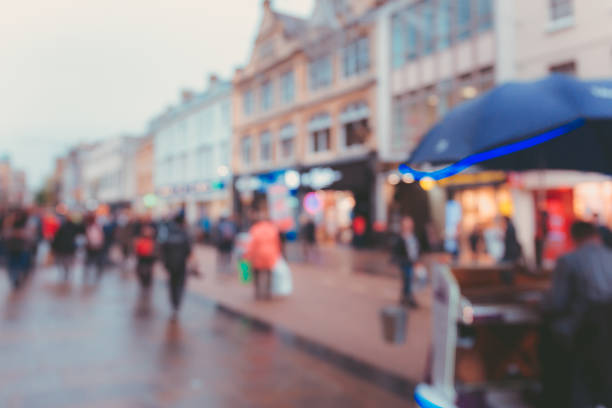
192 143
305 116
441 53
145 198
108 172
13 185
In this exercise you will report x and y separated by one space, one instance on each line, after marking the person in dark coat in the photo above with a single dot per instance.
581 284
17 247
405 253
512 248
64 245
175 250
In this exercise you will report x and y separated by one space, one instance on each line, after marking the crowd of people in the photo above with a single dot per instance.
35 237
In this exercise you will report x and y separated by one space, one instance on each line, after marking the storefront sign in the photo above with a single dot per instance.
321 177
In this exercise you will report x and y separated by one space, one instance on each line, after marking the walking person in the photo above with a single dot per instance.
64 245
16 247
263 250
124 235
226 234
512 248
176 251
309 239
405 253
94 246
577 363
144 247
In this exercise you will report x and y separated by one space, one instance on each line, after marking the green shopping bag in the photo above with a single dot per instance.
244 271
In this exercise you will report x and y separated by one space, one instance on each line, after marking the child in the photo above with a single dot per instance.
145 251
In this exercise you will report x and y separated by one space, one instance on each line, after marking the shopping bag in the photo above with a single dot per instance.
244 271
282 284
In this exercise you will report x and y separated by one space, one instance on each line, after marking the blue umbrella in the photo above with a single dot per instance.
555 123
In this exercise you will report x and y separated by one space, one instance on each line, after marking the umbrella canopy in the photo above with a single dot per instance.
556 123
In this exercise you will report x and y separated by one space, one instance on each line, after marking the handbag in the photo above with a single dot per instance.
282 284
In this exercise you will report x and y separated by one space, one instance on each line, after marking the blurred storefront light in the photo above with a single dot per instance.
469 92
312 203
292 179
393 179
149 200
408 178
427 183
222 171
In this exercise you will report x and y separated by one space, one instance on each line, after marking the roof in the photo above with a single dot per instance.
292 25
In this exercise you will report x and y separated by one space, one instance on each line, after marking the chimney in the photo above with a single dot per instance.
212 79
267 4
186 95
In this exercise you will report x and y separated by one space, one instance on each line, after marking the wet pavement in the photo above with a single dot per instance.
83 345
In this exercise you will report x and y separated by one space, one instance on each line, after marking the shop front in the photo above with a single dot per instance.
339 198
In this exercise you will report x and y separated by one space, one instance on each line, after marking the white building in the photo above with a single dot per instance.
192 153
108 172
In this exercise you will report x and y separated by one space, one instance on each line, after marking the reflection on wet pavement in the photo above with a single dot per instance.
74 344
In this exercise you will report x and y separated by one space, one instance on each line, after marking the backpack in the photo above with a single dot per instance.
95 236
144 247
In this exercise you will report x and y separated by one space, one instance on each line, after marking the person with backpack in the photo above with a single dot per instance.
144 246
94 246
176 251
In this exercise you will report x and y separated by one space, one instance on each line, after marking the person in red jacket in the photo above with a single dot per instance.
263 250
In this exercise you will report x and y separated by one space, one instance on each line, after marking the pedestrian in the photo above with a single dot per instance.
476 239
64 245
226 235
94 246
108 228
582 282
144 247
263 250
541 236
124 236
405 253
309 239
176 251
512 248
16 247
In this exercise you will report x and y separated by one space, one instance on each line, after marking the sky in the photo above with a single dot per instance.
83 70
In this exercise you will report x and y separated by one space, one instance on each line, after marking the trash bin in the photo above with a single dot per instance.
394 324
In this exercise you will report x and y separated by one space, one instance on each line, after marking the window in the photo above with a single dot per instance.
397 40
355 128
246 148
443 24
560 9
464 15
205 163
247 102
287 138
412 35
356 57
320 72
568 68
320 133
265 147
266 96
485 15
425 13
287 87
